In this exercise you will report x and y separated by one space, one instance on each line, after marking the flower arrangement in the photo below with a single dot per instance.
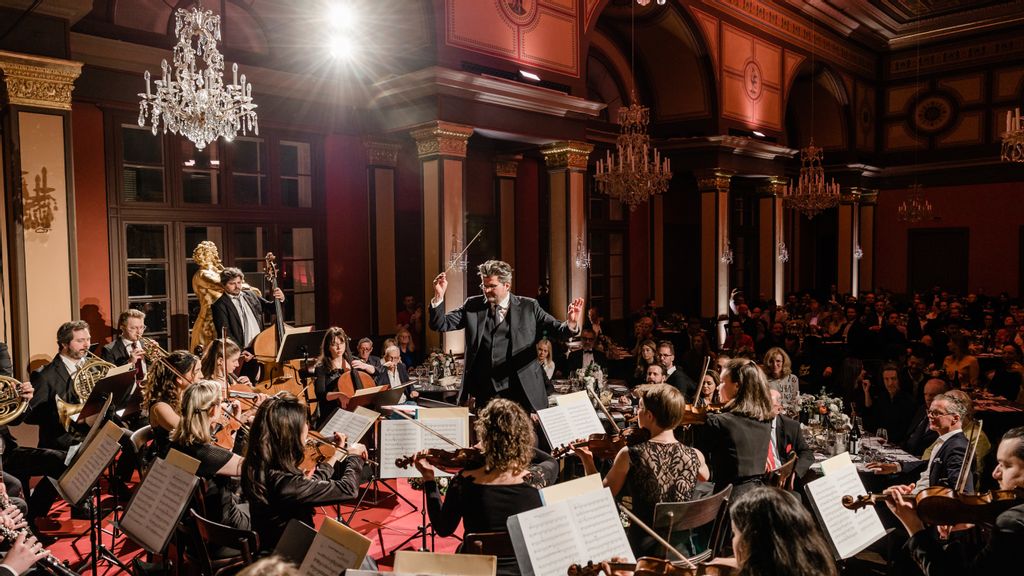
592 376
441 365
828 408
416 483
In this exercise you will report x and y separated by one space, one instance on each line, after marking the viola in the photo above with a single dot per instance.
647 566
224 430
316 452
448 460
606 445
940 506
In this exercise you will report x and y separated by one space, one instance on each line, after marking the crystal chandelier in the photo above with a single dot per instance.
811 193
582 254
633 174
195 102
915 208
1013 138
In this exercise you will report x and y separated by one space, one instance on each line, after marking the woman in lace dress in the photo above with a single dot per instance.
661 469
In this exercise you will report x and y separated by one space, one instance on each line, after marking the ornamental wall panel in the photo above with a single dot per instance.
751 79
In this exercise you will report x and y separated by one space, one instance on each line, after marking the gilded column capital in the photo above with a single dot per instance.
849 196
774 187
441 139
382 153
507 166
37 81
713 181
868 196
569 154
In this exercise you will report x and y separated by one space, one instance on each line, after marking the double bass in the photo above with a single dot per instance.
268 342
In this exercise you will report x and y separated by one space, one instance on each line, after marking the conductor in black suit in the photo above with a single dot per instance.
501 331
241 311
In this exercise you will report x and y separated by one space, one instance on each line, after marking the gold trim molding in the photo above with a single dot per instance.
382 153
714 182
507 166
867 196
442 139
850 196
568 154
38 81
773 187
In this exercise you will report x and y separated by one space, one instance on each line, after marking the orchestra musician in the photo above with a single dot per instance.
501 329
163 395
201 409
241 312
213 363
54 379
661 469
484 497
999 554
128 347
275 486
332 363
24 551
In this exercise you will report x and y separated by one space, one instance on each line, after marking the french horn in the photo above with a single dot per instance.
94 370
12 405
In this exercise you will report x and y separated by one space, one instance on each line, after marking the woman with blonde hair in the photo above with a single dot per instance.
410 357
544 357
647 354
779 370
201 415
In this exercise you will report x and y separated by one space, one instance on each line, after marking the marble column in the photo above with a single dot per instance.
442 153
567 170
713 186
866 234
381 164
849 239
505 170
38 204
770 234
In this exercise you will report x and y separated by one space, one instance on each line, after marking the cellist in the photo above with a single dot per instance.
336 362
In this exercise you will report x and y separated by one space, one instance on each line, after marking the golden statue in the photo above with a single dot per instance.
206 286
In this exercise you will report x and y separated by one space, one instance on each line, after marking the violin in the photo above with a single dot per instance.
647 566
225 428
448 460
317 451
606 445
940 506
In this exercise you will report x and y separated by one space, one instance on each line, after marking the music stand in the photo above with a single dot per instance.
116 388
375 482
300 345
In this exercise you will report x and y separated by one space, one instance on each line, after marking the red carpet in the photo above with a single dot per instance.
387 524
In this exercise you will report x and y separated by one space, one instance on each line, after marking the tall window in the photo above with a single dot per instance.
607 228
249 197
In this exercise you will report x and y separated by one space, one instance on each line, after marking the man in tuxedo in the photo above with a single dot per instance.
787 440
241 312
673 375
501 331
655 374
920 434
587 355
128 348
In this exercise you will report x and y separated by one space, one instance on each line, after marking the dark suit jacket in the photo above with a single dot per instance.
789 440
998 556
528 321
575 360
49 382
683 383
224 314
945 465
382 375
115 352
6 365
919 435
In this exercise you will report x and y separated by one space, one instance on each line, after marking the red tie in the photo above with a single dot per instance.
770 462
139 372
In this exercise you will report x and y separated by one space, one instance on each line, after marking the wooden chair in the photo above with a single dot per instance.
218 536
783 476
487 544
678 516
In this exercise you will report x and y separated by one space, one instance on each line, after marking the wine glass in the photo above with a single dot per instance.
883 436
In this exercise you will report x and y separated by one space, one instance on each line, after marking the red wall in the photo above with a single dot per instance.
993 214
348 233
91 219
528 274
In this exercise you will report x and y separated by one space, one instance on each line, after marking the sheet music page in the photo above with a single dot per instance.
557 426
80 477
352 424
553 541
599 525
398 438
453 428
408 561
849 531
549 495
335 548
158 504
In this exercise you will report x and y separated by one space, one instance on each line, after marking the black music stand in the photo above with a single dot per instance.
375 482
116 388
302 345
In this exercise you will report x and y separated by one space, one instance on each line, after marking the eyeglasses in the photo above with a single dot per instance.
937 414
664 355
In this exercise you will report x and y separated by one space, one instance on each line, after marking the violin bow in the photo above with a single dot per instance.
453 261
603 409
700 383
679 555
428 429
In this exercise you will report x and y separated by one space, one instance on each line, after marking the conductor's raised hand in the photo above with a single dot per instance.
574 315
440 285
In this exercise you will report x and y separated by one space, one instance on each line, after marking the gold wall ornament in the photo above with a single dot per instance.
381 153
569 154
39 205
37 81
442 139
716 181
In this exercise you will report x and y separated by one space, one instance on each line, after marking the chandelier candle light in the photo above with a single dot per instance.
915 208
633 174
195 102
811 193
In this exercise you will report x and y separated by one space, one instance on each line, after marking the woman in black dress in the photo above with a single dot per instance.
334 360
276 488
484 497
773 533
200 412
661 469
165 382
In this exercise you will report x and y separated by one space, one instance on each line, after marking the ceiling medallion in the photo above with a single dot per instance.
752 80
933 113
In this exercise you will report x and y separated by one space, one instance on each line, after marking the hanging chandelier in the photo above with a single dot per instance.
811 194
915 208
192 99
1013 138
636 171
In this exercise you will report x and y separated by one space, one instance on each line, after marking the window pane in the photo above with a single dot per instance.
206 159
199 188
246 156
141 146
289 159
297 243
156 315
296 177
302 275
249 242
248 189
297 192
146 280
196 234
145 241
305 309
142 184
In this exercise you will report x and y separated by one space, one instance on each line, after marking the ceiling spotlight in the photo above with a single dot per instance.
758 134
343 15
529 75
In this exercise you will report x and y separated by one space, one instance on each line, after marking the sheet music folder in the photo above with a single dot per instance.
300 342
95 454
117 385
160 502
846 531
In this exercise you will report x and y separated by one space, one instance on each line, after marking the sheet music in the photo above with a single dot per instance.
352 424
80 477
552 541
596 516
848 531
410 562
158 504
556 425
398 438
452 428
336 547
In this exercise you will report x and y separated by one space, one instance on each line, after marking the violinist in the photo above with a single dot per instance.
277 490
200 409
709 390
484 497
1002 550
333 362
167 380
661 469
217 353
773 533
